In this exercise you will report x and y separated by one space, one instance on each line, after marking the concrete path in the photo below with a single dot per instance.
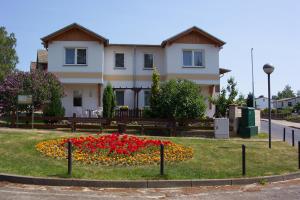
275 191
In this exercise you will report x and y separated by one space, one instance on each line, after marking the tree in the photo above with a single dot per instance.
54 108
287 92
155 93
297 107
41 85
231 88
180 100
109 101
221 101
8 54
241 100
221 104
250 100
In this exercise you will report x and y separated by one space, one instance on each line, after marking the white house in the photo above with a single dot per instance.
286 102
262 102
85 62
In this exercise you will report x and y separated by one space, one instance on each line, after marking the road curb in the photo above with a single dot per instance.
143 183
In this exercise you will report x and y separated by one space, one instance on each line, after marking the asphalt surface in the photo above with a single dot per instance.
276 191
277 132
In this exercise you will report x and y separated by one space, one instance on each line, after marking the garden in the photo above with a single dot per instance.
113 156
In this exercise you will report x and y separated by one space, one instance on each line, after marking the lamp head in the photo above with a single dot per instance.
268 68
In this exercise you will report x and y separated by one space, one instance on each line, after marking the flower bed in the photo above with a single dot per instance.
115 149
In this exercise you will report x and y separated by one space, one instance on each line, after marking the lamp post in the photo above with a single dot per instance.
268 69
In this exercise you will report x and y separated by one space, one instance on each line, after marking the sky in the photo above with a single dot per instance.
271 28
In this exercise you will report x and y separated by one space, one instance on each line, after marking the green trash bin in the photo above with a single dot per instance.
247 126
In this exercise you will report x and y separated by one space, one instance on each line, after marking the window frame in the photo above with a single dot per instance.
148 68
75 56
115 59
193 58
117 98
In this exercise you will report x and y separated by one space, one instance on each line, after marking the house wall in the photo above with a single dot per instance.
209 73
89 99
95 62
279 104
262 103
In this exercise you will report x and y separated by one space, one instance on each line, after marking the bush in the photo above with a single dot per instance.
109 101
180 99
54 108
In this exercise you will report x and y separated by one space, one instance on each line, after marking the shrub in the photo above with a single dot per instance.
109 101
54 108
180 99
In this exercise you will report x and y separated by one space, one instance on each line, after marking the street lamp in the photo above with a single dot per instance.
268 69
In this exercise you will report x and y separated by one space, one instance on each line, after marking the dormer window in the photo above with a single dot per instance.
75 56
193 58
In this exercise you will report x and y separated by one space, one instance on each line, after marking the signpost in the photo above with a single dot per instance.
26 100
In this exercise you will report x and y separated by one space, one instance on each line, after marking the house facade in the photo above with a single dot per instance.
86 62
261 102
286 102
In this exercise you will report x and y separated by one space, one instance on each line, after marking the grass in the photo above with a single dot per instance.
212 159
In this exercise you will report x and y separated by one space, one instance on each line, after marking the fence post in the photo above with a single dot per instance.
298 154
69 158
162 157
13 120
284 134
74 123
244 159
293 137
142 129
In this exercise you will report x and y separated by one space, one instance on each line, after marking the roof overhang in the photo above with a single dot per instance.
92 34
223 71
213 39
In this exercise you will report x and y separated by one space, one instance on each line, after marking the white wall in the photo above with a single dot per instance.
95 59
88 102
262 103
174 60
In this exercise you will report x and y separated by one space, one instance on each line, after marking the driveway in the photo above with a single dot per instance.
277 130
275 191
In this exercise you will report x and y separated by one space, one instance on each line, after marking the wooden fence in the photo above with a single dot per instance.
129 121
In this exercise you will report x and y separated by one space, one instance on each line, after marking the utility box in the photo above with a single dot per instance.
247 126
221 128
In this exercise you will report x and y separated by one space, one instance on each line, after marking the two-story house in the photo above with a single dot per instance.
85 62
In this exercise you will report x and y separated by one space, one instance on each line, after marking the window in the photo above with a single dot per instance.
187 58
77 98
120 97
75 56
147 95
119 60
148 61
290 104
193 58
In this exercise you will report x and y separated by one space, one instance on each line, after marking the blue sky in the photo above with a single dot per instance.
272 28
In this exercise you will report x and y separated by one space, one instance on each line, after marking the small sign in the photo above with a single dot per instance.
24 99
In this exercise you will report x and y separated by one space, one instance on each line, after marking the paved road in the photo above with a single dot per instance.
277 132
275 191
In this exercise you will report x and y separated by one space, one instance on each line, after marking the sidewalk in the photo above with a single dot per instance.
285 123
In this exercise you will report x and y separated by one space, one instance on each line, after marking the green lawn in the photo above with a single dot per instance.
212 159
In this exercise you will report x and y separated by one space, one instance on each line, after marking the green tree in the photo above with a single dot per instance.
241 100
297 107
43 86
180 100
109 101
232 90
8 54
250 100
54 108
287 92
222 102
154 99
